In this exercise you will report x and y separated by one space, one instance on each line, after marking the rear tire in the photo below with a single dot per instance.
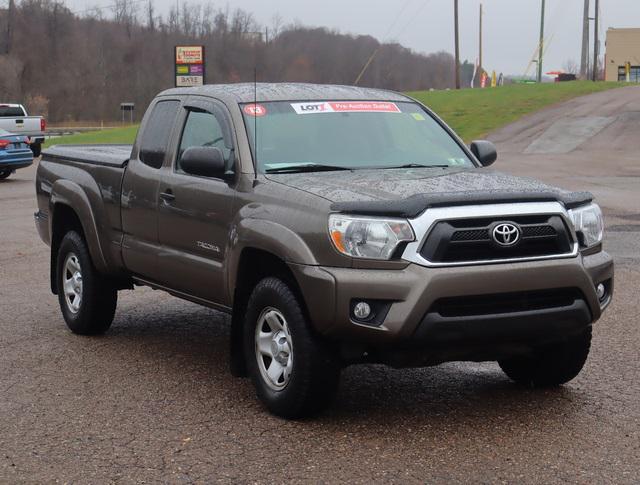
87 299
4 174
36 148
550 366
302 378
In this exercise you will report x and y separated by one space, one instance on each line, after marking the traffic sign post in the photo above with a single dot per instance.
127 108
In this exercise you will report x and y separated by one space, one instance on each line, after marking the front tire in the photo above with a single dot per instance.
4 174
295 373
87 299
550 366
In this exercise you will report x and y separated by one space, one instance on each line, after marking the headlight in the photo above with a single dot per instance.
368 237
589 224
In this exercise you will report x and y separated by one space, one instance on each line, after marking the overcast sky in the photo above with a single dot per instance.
511 26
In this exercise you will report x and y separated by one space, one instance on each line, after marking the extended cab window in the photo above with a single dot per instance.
11 111
156 136
202 129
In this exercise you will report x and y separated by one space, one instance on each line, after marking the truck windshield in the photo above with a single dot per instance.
326 135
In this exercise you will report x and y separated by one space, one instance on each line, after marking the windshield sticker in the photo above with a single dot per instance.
417 116
345 107
255 110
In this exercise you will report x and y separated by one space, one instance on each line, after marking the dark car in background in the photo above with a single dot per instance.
15 153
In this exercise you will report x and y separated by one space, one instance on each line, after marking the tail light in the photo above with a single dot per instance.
43 124
5 143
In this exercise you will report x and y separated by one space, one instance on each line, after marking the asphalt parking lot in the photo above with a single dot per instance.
152 400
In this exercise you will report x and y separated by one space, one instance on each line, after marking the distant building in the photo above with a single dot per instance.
623 47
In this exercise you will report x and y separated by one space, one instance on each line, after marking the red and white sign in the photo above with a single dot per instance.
189 54
345 107
255 110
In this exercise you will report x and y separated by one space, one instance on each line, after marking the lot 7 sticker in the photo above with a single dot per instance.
311 108
345 107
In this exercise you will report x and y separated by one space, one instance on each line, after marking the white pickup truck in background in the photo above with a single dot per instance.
14 118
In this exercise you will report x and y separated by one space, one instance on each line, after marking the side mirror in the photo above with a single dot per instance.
203 161
485 152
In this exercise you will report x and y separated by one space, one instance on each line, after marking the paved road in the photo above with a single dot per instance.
152 400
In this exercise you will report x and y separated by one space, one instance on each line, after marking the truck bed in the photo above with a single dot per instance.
69 173
115 156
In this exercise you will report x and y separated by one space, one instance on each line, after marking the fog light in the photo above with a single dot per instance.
601 291
362 310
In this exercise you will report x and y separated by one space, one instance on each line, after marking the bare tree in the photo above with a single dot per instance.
11 13
277 22
151 21
118 55
570 66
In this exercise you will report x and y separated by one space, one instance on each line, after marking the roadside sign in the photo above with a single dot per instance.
189 65
127 108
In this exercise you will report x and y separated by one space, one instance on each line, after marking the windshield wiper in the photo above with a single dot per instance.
416 165
306 167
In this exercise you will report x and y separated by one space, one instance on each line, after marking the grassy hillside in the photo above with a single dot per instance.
471 112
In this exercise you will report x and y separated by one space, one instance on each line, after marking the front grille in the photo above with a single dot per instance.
471 235
467 240
466 306
538 231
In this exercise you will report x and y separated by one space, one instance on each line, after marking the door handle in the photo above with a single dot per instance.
167 195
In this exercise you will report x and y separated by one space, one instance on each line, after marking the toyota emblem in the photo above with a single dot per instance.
506 234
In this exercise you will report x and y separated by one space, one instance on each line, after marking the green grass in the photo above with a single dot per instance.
472 113
125 135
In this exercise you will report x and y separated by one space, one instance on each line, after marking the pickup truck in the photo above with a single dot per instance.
14 118
337 225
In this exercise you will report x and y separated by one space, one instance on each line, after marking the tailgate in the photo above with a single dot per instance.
24 125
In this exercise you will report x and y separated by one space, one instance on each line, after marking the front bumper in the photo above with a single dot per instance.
414 292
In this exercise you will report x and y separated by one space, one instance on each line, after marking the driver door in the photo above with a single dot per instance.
195 212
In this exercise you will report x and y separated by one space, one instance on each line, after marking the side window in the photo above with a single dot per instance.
202 129
156 137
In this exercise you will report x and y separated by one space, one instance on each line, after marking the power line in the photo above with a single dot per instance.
415 15
375 52
395 21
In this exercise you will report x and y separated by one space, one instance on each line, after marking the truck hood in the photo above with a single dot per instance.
408 192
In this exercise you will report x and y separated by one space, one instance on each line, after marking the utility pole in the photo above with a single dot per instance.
455 15
584 59
541 45
595 41
480 40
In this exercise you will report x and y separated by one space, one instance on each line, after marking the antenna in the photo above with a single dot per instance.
255 123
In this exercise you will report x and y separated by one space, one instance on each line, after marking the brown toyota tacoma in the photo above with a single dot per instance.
337 225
